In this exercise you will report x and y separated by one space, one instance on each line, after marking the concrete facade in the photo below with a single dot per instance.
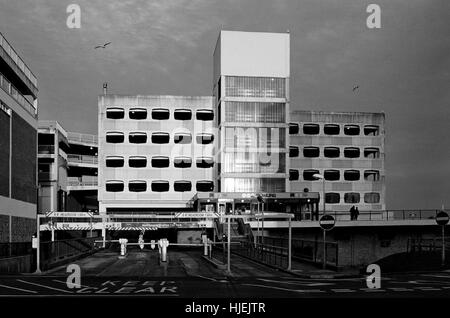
67 169
52 167
358 246
154 151
346 148
251 89
82 174
18 141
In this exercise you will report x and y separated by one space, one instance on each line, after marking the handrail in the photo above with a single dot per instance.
86 138
17 60
78 183
11 90
379 215
82 158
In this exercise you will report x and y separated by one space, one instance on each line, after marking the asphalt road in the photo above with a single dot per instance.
188 275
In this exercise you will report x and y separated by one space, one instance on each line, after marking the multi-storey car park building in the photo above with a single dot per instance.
18 144
347 149
155 152
67 169
173 154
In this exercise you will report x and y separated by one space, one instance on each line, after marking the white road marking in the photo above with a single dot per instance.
438 276
295 283
400 289
343 290
286 289
426 282
20 289
212 279
427 288
371 290
65 283
45 286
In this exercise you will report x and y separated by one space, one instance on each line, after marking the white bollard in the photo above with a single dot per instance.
210 248
141 241
163 244
205 244
123 246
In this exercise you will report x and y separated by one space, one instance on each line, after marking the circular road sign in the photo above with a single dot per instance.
327 222
442 218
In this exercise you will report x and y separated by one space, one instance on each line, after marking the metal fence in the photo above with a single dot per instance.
83 138
82 159
265 253
17 60
46 149
369 215
419 245
51 252
389 215
15 249
308 250
14 93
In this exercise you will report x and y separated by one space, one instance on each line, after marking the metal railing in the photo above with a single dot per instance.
308 250
82 159
46 149
372 215
265 253
51 252
81 183
419 245
11 90
17 60
15 249
387 215
45 176
84 138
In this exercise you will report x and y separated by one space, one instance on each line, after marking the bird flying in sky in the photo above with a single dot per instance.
102 46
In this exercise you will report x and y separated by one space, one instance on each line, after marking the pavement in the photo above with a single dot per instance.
188 275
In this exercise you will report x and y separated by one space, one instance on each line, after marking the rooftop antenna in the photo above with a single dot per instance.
105 88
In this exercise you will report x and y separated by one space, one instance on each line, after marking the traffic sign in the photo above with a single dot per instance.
327 222
442 218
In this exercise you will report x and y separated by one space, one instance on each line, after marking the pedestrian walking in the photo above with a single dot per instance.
352 213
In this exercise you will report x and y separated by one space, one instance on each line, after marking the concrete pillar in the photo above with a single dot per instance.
10 229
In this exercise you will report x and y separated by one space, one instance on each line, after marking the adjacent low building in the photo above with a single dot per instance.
67 170
18 144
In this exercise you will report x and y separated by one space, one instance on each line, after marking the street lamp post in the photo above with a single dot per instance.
319 176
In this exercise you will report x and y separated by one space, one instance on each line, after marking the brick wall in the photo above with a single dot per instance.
4 228
4 154
22 229
24 157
